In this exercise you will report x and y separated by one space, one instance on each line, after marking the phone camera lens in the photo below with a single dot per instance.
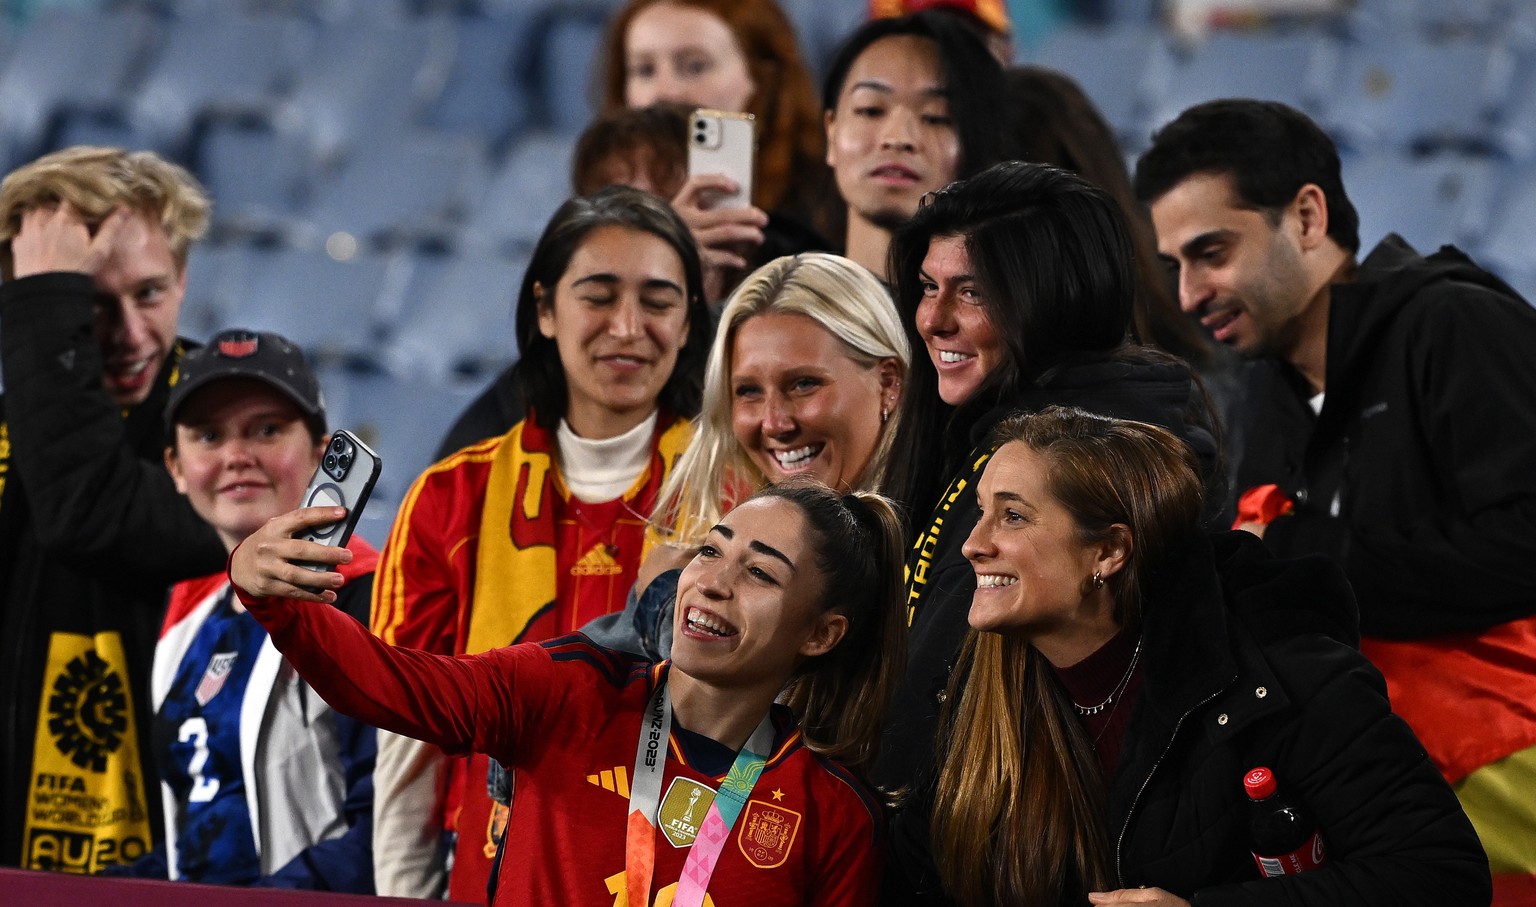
344 461
339 444
330 462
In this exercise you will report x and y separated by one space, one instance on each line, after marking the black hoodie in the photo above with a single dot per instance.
1419 474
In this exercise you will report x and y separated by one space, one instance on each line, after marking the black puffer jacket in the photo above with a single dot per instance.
941 581
1249 660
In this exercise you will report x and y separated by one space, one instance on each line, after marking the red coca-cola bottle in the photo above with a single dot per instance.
1283 837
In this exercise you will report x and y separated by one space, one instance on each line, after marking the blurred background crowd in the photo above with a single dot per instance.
398 158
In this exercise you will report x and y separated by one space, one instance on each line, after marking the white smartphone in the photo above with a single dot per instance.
346 475
723 142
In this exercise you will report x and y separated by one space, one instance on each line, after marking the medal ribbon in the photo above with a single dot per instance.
645 801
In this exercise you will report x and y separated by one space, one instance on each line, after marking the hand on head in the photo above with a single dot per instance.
57 238
265 565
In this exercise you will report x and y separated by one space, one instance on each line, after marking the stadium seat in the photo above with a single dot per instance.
1293 68
1405 91
563 63
407 188
532 182
257 176
66 60
460 321
328 307
1430 201
1511 246
404 421
368 78
215 275
484 93
1124 71
216 65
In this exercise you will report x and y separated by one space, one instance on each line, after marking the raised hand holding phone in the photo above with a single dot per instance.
716 201
345 478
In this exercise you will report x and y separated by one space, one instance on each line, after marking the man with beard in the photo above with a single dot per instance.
93 250
1391 425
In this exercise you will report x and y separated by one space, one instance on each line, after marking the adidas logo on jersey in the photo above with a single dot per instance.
597 562
615 779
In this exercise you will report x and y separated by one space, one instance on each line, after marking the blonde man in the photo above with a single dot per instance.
93 251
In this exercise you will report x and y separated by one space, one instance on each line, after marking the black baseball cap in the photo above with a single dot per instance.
239 353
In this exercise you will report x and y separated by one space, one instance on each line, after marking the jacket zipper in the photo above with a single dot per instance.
1120 841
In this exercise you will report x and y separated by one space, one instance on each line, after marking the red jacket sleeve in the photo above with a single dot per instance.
426 576
460 703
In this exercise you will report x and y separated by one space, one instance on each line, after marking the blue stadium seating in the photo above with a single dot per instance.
368 77
459 321
1406 91
1511 245
1430 201
258 177
483 93
216 66
329 307
564 62
1124 70
1295 68
407 187
403 420
47 75
532 182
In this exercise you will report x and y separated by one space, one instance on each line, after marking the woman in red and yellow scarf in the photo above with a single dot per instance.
529 535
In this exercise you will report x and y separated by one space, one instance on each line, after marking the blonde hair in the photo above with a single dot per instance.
841 296
96 180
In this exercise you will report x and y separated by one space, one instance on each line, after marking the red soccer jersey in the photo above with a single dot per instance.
565 716
425 589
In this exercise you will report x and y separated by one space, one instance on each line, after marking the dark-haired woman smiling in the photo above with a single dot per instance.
529 535
1018 282
681 782
1126 671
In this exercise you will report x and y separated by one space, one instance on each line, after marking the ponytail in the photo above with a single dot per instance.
841 696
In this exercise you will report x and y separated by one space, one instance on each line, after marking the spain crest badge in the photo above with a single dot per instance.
767 833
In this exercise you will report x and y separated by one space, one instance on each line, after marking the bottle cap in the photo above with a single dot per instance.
1260 783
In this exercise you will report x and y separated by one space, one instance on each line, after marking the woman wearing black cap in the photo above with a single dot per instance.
261 782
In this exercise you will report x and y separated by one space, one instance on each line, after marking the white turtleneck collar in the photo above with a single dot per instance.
603 470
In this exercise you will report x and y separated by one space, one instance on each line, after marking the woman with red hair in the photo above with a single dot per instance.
738 56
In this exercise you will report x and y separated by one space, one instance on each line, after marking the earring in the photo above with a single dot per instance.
1098 580
885 415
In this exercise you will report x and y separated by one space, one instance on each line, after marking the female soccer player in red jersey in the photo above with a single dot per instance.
678 782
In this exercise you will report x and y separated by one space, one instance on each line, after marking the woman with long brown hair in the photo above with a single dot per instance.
1125 671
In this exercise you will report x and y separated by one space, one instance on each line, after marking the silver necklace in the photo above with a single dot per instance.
1119 688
